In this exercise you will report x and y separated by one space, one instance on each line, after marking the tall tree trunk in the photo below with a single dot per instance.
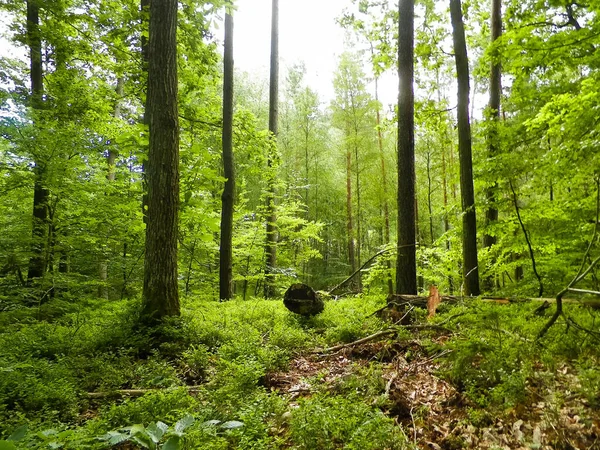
160 294
144 44
358 209
349 218
491 214
446 221
110 176
271 244
227 199
406 267
37 262
385 206
469 234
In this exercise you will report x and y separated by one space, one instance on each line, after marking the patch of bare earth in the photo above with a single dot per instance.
436 416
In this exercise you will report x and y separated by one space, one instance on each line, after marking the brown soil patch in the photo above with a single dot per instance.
436 416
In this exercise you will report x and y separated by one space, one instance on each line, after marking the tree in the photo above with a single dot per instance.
271 243
38 260
160 294
491 214
226 252
406 266
469 232
353 115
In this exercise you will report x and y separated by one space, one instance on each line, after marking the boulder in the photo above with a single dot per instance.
302 299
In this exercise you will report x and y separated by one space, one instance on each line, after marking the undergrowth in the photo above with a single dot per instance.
52 356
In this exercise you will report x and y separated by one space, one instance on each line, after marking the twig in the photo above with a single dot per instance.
412 418
579 327
427 327
584 291
531 254
388 386
406 314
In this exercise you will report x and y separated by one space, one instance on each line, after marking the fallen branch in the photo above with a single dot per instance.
364 340
383 333
135 392
369 261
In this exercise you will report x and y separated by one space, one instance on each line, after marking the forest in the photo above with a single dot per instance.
193 256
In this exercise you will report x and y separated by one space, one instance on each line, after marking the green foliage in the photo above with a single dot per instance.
496 356
326 422
155 436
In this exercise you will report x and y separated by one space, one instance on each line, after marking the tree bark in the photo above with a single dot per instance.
271 241
160 294
227 198
406 267
491 214
38 261
469 234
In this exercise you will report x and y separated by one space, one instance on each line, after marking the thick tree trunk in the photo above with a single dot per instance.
37 262
271 244
227 199
160 294
406 267
469 235
491 214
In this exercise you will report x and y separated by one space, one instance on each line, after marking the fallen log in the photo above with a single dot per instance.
421 300
135 392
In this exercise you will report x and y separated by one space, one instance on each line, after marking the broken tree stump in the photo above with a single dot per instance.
302 299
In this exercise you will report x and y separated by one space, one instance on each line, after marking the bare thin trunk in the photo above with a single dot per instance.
349 218
271 243
491 214
110 176
385 206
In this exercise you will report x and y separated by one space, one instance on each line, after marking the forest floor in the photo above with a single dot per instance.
251 375
436 415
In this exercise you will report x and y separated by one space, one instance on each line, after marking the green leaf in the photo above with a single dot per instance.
7 445
232 425
19 433
114 437
173 443
182 424
46 434
144 440
156 431
211 423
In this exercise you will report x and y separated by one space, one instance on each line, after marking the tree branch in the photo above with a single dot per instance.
515 201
